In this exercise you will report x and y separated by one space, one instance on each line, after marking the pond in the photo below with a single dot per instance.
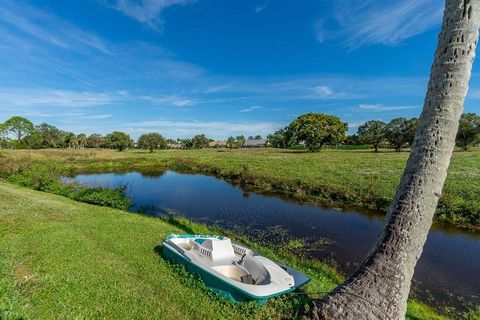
448 270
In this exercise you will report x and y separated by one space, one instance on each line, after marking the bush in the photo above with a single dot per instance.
114 198
45 176
38 176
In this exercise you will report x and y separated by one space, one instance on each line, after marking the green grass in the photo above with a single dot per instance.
64 259
333 177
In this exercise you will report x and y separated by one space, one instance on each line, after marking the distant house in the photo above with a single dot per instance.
217 144
174 146
255 143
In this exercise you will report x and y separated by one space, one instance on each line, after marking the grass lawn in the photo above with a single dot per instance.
333 177
64 259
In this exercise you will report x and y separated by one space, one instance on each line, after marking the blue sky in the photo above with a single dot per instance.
182 67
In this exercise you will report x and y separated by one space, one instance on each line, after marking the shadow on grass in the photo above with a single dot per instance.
179 224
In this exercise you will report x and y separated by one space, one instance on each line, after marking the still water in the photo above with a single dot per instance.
448 271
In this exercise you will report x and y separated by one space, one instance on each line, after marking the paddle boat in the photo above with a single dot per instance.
231 269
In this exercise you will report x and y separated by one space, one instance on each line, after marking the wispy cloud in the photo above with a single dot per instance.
259 8
381 107
323 91
147 12
250 109
11 96
174 100
319 29
219 88
215 129
364 22
53 97
47 27
97 117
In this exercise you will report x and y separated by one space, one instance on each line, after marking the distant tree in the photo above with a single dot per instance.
185 143
279 139
400 132
33 141
52 137
372 132
19 126
82 140
231 142
468 131
241 140
412 126
95 141
3 135
316 130
71 140
118 140
258 137
3 130
200 141
352 140
151 141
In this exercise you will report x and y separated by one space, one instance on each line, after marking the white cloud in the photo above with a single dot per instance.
320 30
215 89
364 22
21 97
250 109
29 97
147 12
262 6
214 129
97 117
323 91
170 100
48 27
381 107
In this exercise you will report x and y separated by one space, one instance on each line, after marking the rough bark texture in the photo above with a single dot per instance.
379 288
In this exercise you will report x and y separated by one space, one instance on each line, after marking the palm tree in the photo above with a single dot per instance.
379 288
82 140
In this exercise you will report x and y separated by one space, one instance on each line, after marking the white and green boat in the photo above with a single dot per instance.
231 269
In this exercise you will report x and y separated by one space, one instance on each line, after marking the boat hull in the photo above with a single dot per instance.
222 287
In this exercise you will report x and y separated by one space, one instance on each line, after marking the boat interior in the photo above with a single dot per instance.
231 260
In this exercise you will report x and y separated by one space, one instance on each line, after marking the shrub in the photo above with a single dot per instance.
38 176
114 198
45 176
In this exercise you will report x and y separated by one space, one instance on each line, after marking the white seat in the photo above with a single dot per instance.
260 274
220 249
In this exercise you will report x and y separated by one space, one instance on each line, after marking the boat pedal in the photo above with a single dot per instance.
247 279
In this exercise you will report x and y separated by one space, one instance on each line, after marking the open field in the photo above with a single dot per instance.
64 259
331 177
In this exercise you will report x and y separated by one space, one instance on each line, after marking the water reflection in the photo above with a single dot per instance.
448 269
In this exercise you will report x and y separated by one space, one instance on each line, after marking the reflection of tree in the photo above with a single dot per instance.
154 211
152 173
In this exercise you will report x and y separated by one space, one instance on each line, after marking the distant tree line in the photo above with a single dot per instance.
316 130
20 133
310 131
26 135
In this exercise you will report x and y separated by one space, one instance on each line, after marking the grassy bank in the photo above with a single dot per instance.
332 177
64 259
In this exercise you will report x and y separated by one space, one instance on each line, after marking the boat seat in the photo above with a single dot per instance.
255 268
216 249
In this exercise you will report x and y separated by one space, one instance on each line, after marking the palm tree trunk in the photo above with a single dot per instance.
379 288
